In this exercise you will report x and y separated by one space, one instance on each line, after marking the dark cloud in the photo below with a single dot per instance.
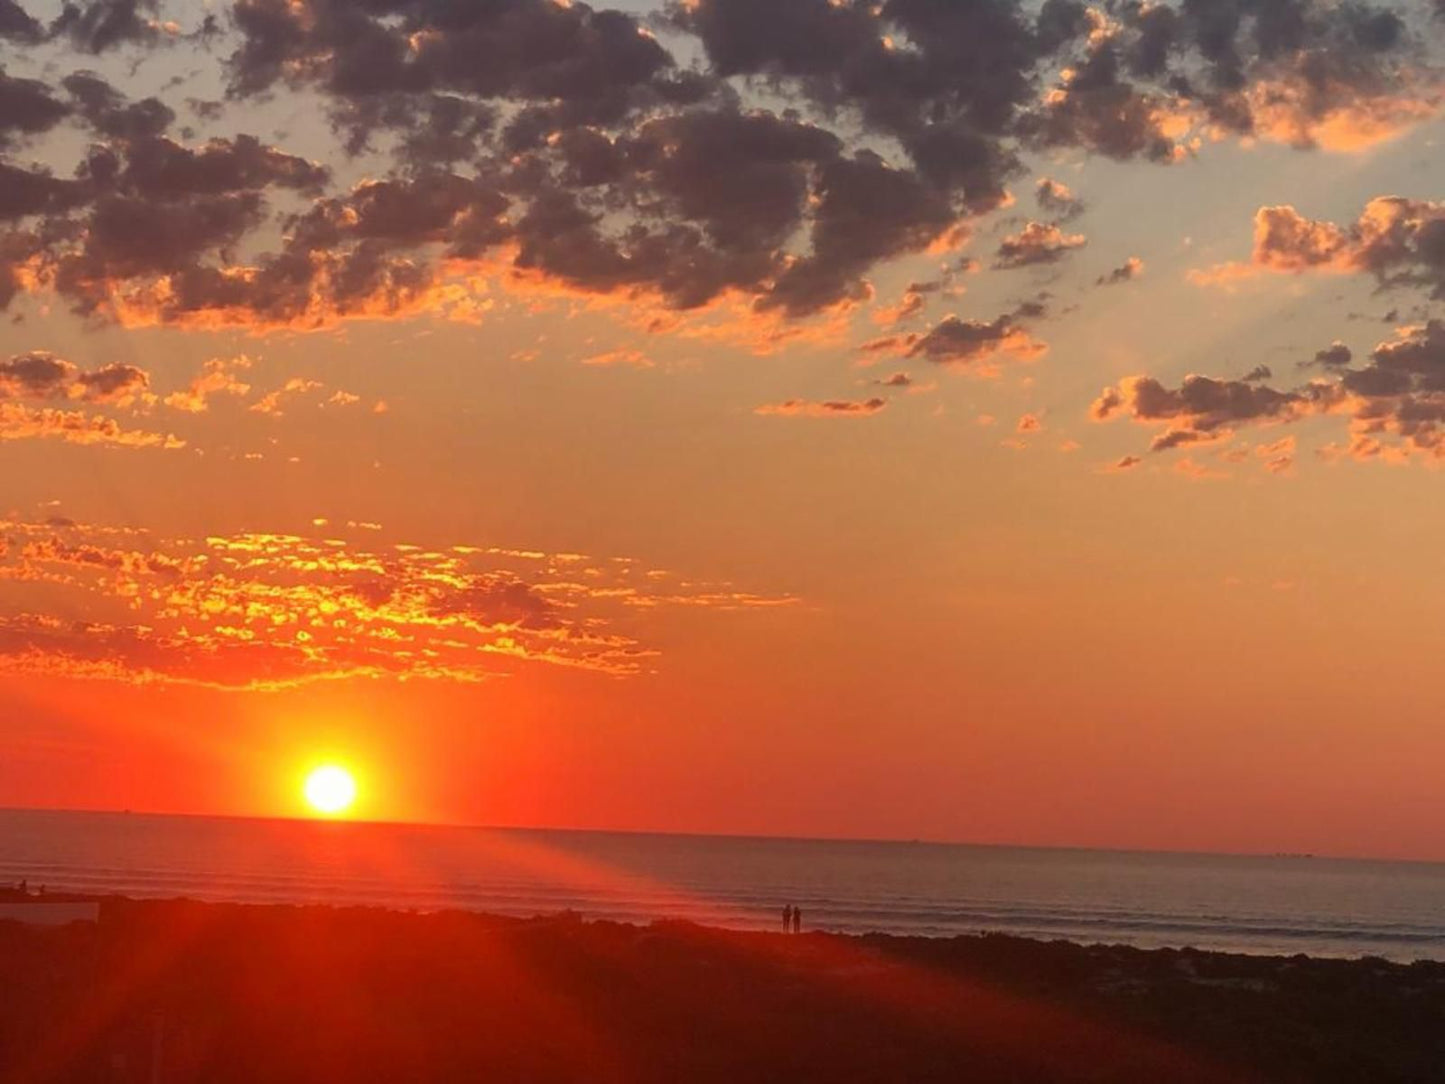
128 238
596 64
1127 271
1416 357
1202 408
745 178
344 256
35 191
17 24
159 218
895 380
106 110
27 108
39 375
965 67
1395 403
794 150
1098 109
97 26
954 341
867 212
160 167
1036 243
1335 356
829 408
433 129
429 208
1257 374
36 375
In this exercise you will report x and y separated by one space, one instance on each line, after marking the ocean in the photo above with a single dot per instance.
1264 905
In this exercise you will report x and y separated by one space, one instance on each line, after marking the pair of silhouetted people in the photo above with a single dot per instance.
792 919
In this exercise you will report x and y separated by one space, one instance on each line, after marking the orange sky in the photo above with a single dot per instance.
583 439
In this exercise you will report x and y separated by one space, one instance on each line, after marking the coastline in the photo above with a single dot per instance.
307 992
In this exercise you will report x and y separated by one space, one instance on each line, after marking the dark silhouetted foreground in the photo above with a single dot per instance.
222 993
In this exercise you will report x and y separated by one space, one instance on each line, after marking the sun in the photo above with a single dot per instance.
330 790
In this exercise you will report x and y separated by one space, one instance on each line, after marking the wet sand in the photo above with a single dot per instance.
231 993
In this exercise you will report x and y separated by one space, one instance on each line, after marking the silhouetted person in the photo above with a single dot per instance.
797 920
787 917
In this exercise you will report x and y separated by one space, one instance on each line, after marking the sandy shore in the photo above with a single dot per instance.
224 993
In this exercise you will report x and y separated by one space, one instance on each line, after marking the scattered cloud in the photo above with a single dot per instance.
1201 409
274 402
829 408
1037 243
218 376
965 343
1394 404
1054 198
21 422
1127 271
895 380
623 356
267 611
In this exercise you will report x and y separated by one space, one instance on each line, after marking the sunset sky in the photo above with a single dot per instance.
903 418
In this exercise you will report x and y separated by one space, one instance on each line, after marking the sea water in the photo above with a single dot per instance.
1269 905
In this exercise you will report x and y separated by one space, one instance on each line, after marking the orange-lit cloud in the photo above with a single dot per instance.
273 402
1036 243
218 376
623 356
21 422
1306 110
1393 238
268 611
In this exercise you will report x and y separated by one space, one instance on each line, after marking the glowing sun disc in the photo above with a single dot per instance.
330 789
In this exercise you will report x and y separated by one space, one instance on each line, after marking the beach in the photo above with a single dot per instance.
183 991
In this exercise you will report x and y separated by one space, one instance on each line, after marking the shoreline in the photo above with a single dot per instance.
750 922
744 922
268 988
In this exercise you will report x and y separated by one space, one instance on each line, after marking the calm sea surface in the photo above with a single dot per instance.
1318 906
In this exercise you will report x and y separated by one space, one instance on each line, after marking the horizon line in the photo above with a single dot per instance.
915 841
